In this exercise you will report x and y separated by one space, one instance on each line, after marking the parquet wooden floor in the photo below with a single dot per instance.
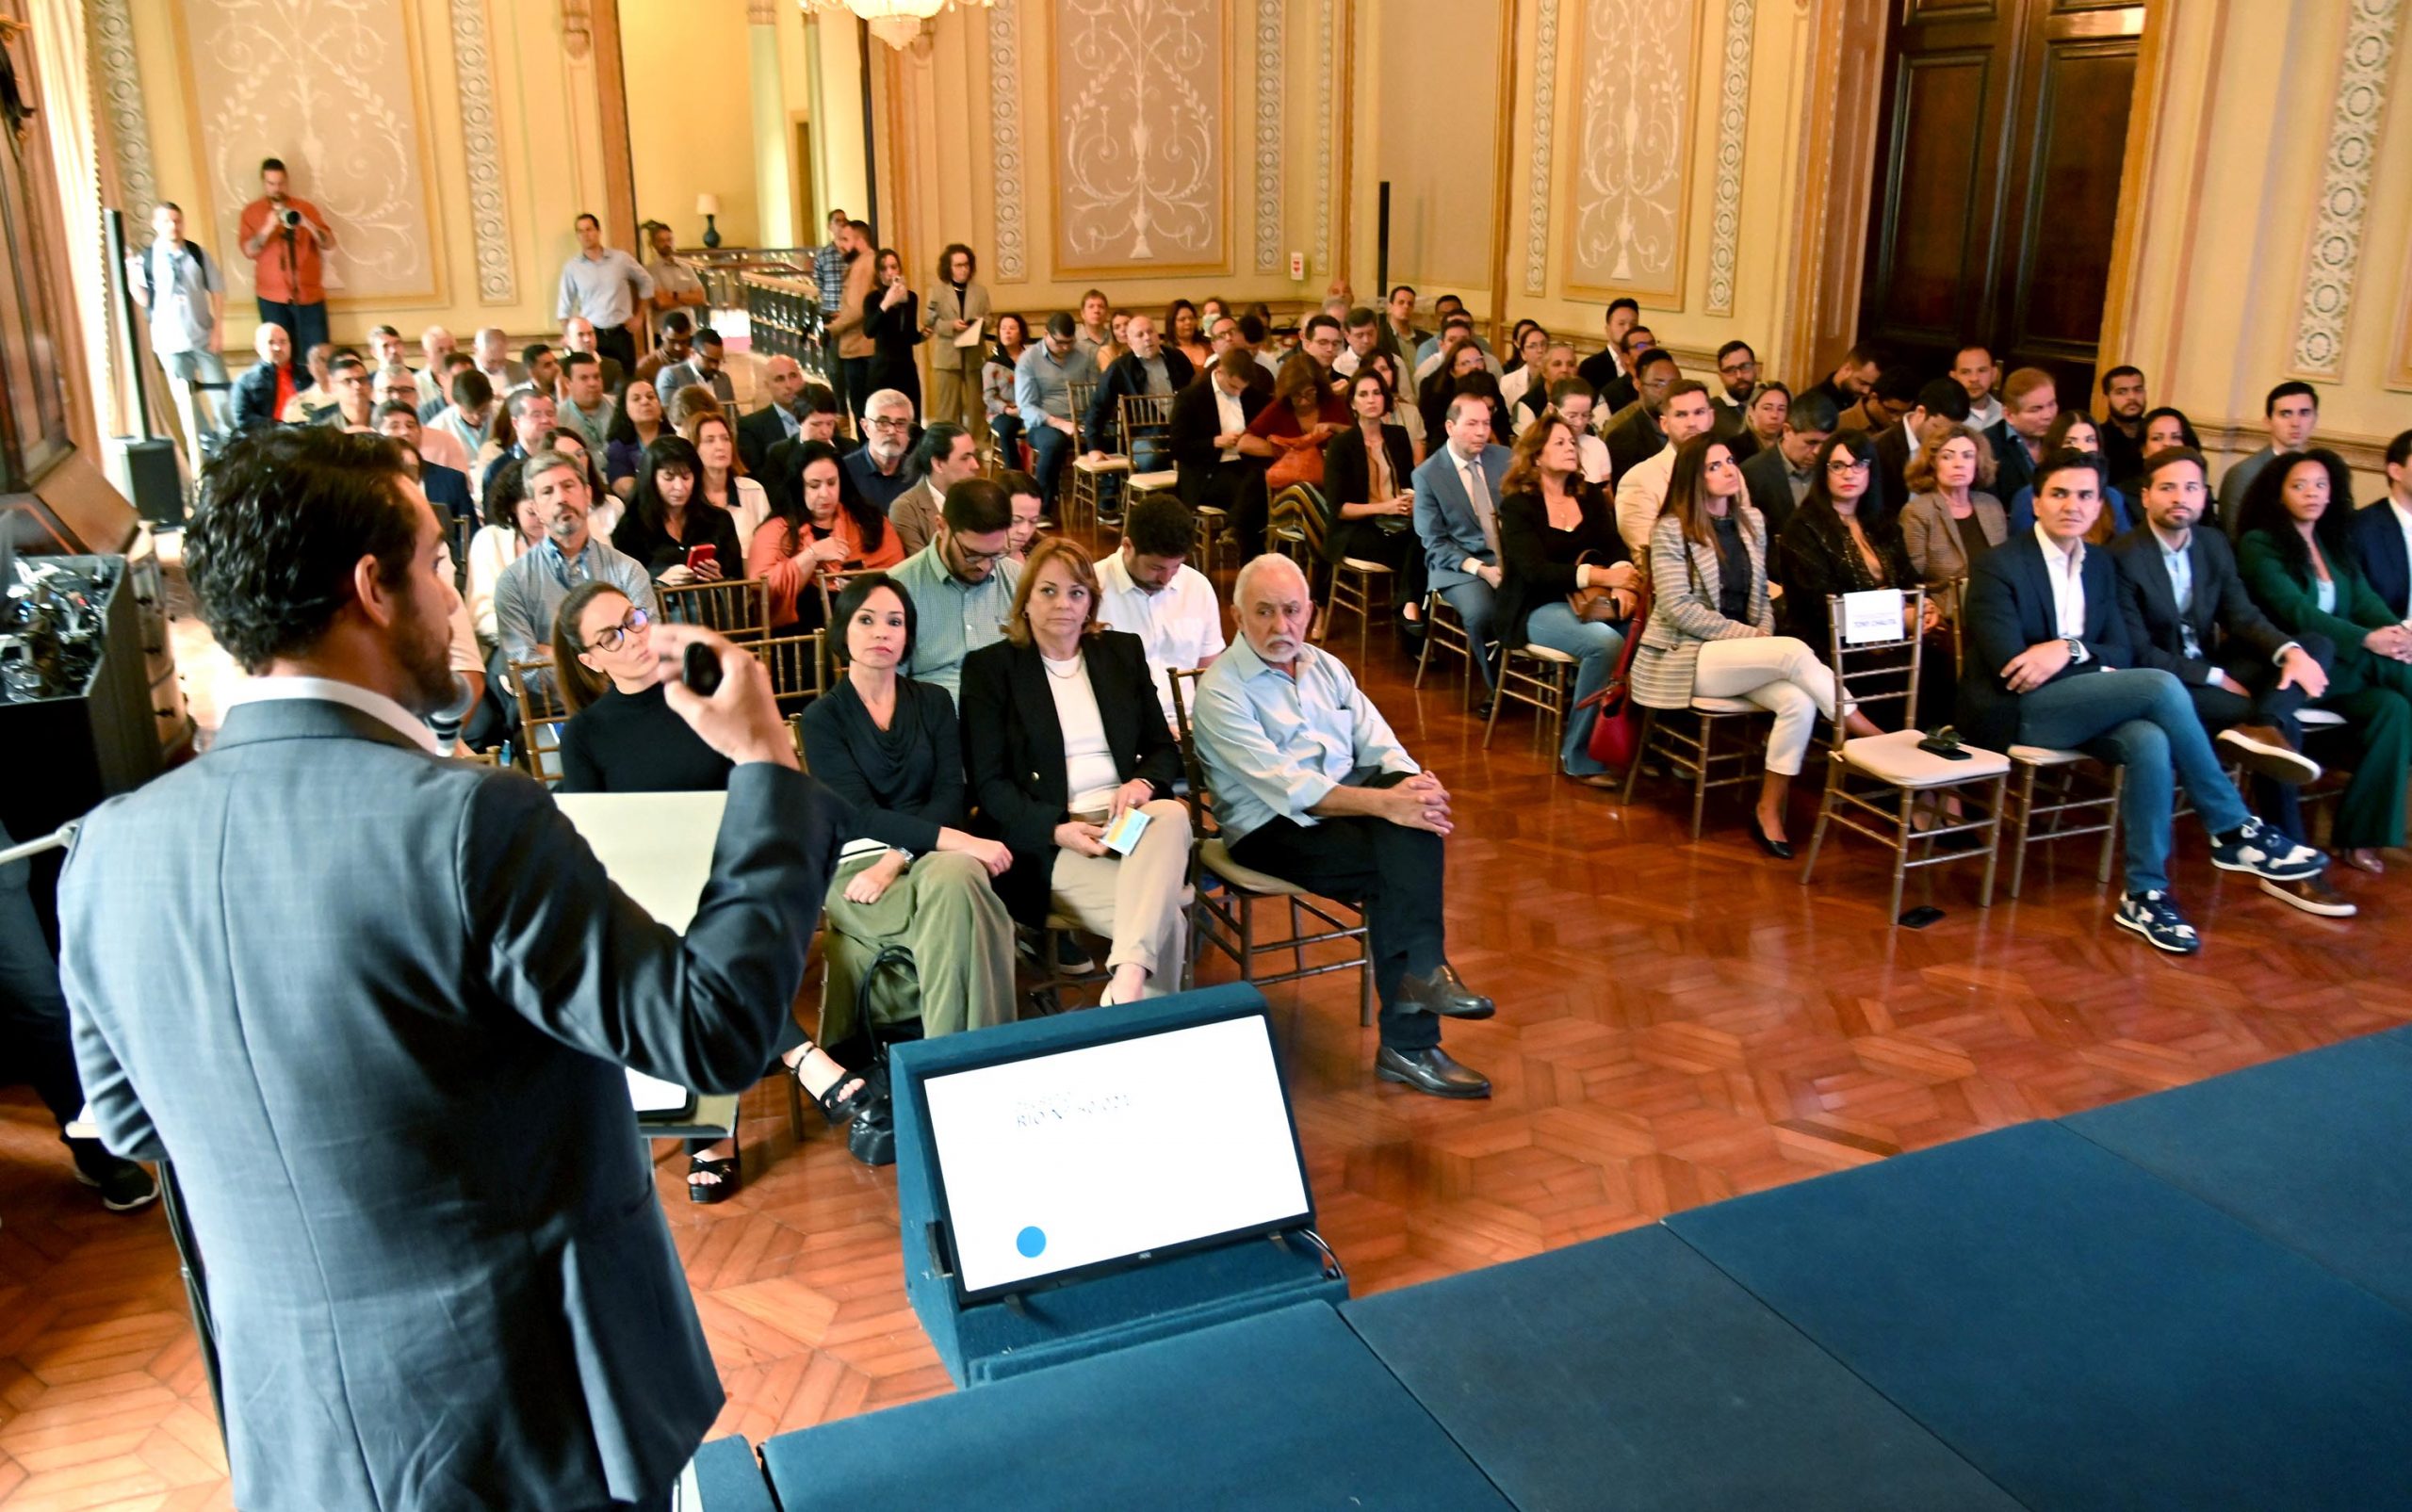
1678 1023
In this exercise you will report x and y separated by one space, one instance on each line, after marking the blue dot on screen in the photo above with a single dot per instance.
1032 1241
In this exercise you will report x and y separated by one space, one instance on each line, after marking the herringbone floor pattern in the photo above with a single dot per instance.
1678 1023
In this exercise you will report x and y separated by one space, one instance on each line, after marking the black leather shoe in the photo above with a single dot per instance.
1444 993
1482 712
1431 1071
1781 850
871 1137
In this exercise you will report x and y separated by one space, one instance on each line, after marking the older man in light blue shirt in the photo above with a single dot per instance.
1312 787
961 585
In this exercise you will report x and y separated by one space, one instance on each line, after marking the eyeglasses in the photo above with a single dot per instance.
613 637
1845 465
891 422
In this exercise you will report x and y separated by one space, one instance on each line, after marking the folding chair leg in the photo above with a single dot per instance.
1641 752
2111 829
1993 842
1699 774
1825 811
2023 830
1901 853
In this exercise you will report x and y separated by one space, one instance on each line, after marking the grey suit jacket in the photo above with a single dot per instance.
374 1006
1445 517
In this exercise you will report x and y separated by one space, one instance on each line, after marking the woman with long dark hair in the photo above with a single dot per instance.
816 528
892 319
668 520
622 737
2295 553
1712 629
2073 430
1840 541
637 422
997 386
1185 335
1368 490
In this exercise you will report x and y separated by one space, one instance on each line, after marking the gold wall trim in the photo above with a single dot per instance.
1503 157
2355 122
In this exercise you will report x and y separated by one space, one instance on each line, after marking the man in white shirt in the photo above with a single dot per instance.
1362 330
2050 663
1148 589
1641 493
1973 370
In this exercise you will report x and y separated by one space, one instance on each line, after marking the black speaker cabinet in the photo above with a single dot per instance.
158 482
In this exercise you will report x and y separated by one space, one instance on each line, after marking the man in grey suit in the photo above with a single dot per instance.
374 1006
1456 515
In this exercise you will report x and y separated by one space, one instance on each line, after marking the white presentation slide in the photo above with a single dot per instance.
1095 1154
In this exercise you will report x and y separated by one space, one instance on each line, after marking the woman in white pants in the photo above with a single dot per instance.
1712 633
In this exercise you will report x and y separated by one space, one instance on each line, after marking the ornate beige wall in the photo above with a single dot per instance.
451 141
1140 91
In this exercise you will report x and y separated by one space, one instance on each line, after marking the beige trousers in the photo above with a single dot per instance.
1138 900
954 395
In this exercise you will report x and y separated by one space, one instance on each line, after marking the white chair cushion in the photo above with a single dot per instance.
1165 479
2316 718
1361 564
1209 512
2044 755
1704 704
1217 859
1102 464
1895 758
1542 653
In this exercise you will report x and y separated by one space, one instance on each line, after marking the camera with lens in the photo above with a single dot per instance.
290 219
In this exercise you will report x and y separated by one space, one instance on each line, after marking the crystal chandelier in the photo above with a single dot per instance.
897 22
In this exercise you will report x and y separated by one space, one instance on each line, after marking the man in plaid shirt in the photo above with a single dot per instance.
829 272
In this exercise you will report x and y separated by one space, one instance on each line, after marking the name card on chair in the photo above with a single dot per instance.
1873 616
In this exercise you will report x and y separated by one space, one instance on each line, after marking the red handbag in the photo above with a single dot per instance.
1616 735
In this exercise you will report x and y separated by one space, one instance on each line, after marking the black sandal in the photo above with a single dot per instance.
722 1172
864 1109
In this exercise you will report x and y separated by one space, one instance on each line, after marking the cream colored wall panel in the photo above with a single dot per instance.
331 86
1437 127
1139 89
1628 161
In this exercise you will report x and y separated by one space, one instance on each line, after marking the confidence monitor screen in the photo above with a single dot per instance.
1087 1157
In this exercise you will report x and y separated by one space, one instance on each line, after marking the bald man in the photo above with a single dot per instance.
781 420
1310 785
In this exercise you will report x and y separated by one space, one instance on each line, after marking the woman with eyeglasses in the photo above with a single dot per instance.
1712 629
622 736
1840 541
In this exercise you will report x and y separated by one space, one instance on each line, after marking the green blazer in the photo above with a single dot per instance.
2292 597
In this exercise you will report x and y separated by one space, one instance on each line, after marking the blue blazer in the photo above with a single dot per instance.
1445 517
2380 540
2009 608
447 488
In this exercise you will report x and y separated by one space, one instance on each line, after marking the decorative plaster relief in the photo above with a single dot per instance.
1632 146
1268 136
122 101
326 85
1545 124
2354 127
1005 139
1733 121
1139 163
489 210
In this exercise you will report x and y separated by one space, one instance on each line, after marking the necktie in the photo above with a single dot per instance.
1478 495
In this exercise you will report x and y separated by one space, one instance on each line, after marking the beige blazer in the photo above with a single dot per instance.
1932 538
942 315
1683 608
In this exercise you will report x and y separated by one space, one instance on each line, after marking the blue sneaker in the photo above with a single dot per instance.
2154 917
2265 852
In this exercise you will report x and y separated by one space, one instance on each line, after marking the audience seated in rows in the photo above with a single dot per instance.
1779 476
2074 430
530 591
878 471
945 456
1043 381
637 422
1368 488
1145 588
1148 367
677 535
1456 518
816 533
1641 482
962 583
2049 664
1950 519
1841 541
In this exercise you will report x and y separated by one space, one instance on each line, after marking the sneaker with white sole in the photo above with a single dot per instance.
2265 852
2157 918
2313 895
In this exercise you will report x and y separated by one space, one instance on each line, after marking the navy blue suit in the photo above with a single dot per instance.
2380 540
2010 608
447 488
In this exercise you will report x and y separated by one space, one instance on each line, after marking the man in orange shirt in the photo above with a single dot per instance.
285 237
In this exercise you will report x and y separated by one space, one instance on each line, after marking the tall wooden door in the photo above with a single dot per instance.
1998 162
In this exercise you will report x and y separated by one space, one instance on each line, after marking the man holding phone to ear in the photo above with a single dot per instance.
374 1005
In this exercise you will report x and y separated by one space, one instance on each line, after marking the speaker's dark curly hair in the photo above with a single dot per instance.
285 515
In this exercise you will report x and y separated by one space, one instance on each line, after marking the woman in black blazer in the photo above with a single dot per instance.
1842 540
1366 470
1558 535
1063 734
911 875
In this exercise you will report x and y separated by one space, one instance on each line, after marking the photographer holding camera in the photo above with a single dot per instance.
283 237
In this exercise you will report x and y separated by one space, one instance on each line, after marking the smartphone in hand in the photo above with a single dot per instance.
699 556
